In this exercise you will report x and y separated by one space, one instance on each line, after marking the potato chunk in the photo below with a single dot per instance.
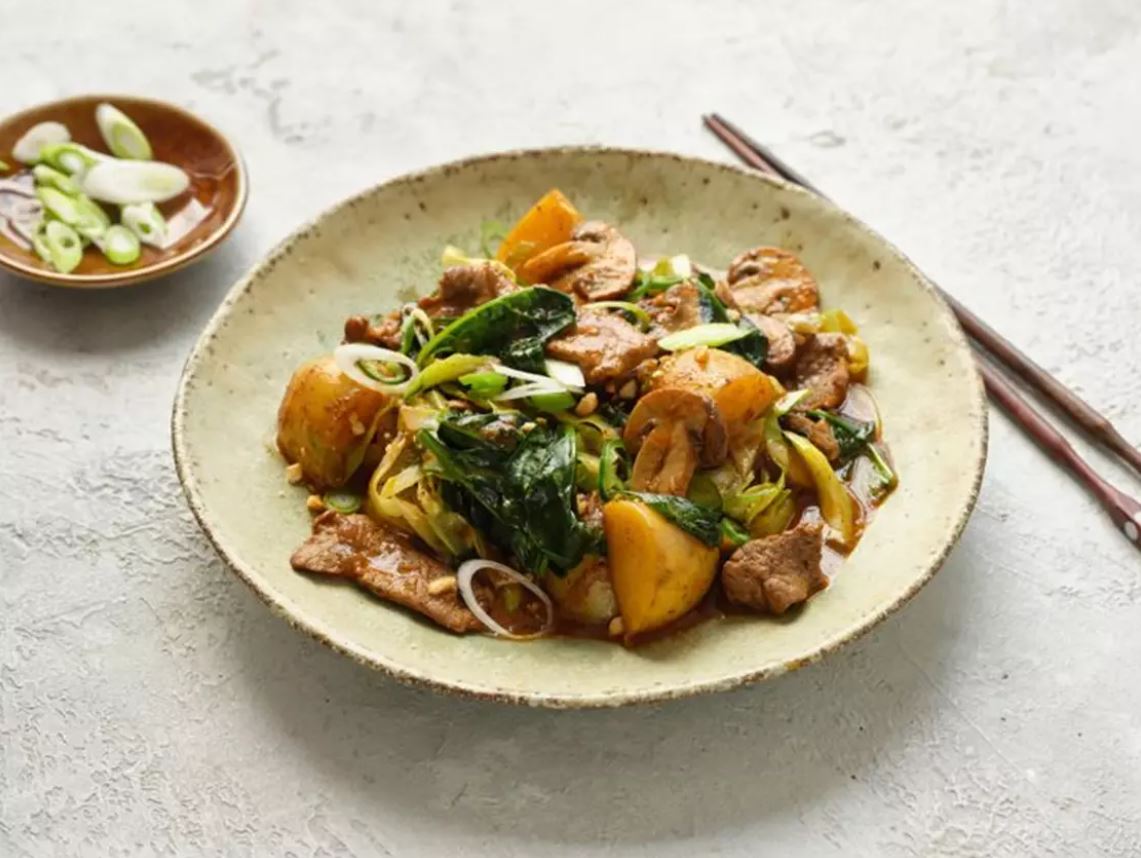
659 571
326 421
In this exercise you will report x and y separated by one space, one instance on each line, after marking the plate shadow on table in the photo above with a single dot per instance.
629 775
44 318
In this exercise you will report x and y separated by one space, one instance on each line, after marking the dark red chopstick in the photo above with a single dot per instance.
1124 510
1084 415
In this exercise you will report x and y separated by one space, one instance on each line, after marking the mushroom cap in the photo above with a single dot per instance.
670 406
598 263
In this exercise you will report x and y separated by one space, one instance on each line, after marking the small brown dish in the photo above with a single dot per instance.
198 220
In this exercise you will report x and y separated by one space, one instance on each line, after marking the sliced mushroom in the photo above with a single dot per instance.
671 430
770 280
597 264
781 353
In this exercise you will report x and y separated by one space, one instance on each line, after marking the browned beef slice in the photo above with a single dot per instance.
384 561
464 287
822 368
816 431
384 332
782 343
676 309
604 345
774 573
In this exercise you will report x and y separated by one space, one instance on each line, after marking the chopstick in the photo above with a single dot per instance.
1096 425
1122 509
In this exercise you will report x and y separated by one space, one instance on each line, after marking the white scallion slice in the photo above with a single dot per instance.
119 245
128 182
524 391
123 137
93 221
567 374
353 358
466 573
59 205
712 335
28 148
71 158
63 245
147 222
50 177
789 401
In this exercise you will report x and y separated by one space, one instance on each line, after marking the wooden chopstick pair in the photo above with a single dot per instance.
989 344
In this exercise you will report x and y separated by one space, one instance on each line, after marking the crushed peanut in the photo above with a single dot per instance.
701 355
629 390
356 425
313 503
616 628
293 473
441 585
734 315
529 426
586 405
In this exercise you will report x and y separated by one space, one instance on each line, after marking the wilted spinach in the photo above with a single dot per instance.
512 327
699 521
754 346
516 487
856 439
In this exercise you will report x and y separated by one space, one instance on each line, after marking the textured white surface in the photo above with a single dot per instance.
150 705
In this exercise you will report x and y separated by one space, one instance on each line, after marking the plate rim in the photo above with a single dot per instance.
559 700
135 276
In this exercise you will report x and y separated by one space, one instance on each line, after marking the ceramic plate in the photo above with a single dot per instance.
197 220
383 247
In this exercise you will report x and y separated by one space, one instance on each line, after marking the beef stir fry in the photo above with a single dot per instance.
562 438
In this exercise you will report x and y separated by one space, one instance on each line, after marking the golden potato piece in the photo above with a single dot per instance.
326 421
740 391
549 222
659 571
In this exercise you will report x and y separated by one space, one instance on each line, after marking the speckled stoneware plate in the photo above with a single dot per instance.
383 247
197 220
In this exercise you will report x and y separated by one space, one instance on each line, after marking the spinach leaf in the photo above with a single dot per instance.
520 492
754 346
701 522
512 327
616 412
852 437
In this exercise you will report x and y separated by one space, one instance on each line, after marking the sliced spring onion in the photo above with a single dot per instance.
444 370
119 245
467 572
127 182
40 245
613 469
63 245
353 358
123 137
59 205
343 502
71 158
789 401
29 148
673 266
569 375
525 391
93 221
836 505
4 168
713 334
644 320
484 385
147 222
553 402
732 533
50 177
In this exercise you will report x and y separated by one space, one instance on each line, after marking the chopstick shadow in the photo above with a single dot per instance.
45 318
640 774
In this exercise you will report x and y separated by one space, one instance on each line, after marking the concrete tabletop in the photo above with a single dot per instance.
150 705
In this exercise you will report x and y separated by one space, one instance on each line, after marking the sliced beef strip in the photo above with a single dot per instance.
384 332
770 280
597 264
782 343
774 573
384 561
676 309
816 431
604 345
465 287
822 368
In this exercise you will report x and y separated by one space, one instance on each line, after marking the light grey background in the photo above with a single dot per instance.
150 705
